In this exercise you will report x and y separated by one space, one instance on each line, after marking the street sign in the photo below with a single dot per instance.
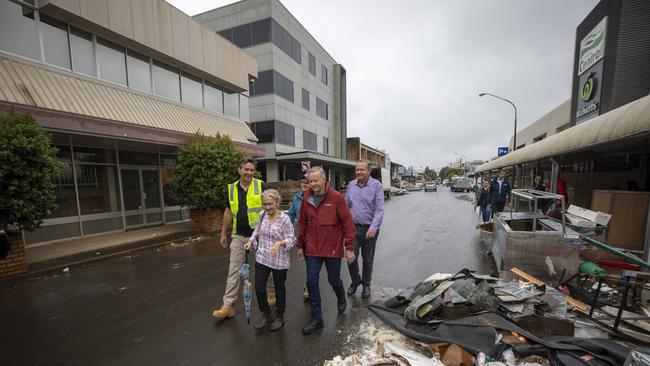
306 165
502 151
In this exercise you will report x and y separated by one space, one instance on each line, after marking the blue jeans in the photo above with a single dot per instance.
485 211
333 266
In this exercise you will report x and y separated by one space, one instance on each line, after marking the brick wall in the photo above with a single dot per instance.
16 262
354 148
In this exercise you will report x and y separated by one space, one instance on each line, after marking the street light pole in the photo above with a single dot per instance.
514 141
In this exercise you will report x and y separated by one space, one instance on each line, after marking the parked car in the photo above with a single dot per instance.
461 184
430 186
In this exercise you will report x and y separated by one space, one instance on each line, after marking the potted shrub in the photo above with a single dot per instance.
203 170
28 168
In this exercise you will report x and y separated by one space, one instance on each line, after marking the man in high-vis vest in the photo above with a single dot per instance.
240 218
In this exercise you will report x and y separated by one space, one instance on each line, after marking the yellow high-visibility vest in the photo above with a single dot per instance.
253 201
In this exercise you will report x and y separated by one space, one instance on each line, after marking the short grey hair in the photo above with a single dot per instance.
364 161
320 170
272 194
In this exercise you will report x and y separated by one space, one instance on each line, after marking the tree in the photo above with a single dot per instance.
203 170
430 174
28 169
447 172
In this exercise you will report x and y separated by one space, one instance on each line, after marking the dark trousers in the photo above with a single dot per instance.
333 266
367 248
279 277
498 207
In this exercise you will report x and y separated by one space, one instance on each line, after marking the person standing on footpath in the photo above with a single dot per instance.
326 232
365 198
500 192
483 201
272 239
240 218
294 214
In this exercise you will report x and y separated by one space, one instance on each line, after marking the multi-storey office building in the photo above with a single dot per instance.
119 85
298 102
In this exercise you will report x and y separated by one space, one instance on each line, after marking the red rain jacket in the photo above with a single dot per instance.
326 229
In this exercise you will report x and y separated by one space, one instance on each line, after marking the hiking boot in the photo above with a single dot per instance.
266 320
271 300
305 294
277 323
365 293
224 312
312 326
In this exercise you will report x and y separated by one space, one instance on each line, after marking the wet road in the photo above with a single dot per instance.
154 307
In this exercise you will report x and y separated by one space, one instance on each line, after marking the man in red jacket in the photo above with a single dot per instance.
326 227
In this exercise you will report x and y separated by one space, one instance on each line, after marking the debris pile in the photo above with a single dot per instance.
474 319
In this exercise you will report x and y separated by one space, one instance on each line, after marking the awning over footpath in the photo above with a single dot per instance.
313 156
31 84
629 121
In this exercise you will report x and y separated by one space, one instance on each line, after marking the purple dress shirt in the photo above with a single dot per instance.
366 203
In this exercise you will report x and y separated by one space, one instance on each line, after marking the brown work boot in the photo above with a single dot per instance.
271 300
278 322
226 311
266 320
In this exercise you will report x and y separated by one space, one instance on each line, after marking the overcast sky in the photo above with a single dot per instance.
415 68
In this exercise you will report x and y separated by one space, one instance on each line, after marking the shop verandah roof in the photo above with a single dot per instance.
627 122
27 83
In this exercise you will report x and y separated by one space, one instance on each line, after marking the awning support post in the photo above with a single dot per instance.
555 172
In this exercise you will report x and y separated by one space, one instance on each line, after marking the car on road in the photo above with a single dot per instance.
461 184
430 186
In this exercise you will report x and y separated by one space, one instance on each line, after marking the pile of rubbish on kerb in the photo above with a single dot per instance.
517 320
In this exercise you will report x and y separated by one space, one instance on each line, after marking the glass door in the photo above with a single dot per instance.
141 193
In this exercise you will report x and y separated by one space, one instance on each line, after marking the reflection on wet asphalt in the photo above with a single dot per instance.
154 307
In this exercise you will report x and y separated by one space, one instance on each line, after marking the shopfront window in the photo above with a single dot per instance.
93 155
18 30
98 187
66 198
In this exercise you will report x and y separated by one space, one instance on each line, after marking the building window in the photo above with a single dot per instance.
285 133
263 84
281 38
213 98
305 99
241 36
83 52
18 30
323 74
321 109
231 104
166 81
312 64
244 112
261 31
326 145
264 131
191 91
309 140
539 138
112 61
56 47
139 71
226 33
282 86
98 188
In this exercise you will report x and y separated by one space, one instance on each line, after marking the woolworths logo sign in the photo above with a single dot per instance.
592 47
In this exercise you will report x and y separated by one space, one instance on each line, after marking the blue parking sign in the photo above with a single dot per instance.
502 151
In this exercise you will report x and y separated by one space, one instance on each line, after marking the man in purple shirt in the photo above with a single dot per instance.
365 197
